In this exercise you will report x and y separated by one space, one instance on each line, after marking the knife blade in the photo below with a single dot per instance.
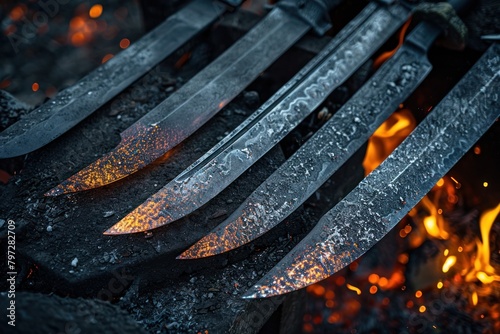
72 105
269 124
196 102
324 153
386 195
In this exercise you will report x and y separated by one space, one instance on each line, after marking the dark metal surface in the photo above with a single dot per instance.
224 163
322 155
386 195
191 106
73 104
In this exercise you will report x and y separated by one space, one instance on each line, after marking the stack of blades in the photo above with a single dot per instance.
268 125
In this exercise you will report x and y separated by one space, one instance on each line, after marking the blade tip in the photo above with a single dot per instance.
254 293
115 231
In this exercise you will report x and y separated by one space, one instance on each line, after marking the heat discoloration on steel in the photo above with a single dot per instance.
322 155
386 195
73 104
193 104
225 162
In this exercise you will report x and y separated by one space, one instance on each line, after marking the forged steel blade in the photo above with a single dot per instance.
193 104
225 162
324 153
75 103
386 195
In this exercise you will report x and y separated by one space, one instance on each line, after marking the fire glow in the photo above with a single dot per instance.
462 267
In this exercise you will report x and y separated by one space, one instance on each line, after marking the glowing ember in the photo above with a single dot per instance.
95 11
475 298
17 13
124 43
373 278
35 86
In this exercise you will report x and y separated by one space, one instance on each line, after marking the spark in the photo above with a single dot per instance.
373 278
475 298
448 263
386 55
353 288
124 43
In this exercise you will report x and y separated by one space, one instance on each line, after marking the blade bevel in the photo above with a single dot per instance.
75 103
193 104
386 195
324 153
269 124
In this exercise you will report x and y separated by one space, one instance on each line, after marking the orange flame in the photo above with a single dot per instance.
387 137
434 222
386 55
482 270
